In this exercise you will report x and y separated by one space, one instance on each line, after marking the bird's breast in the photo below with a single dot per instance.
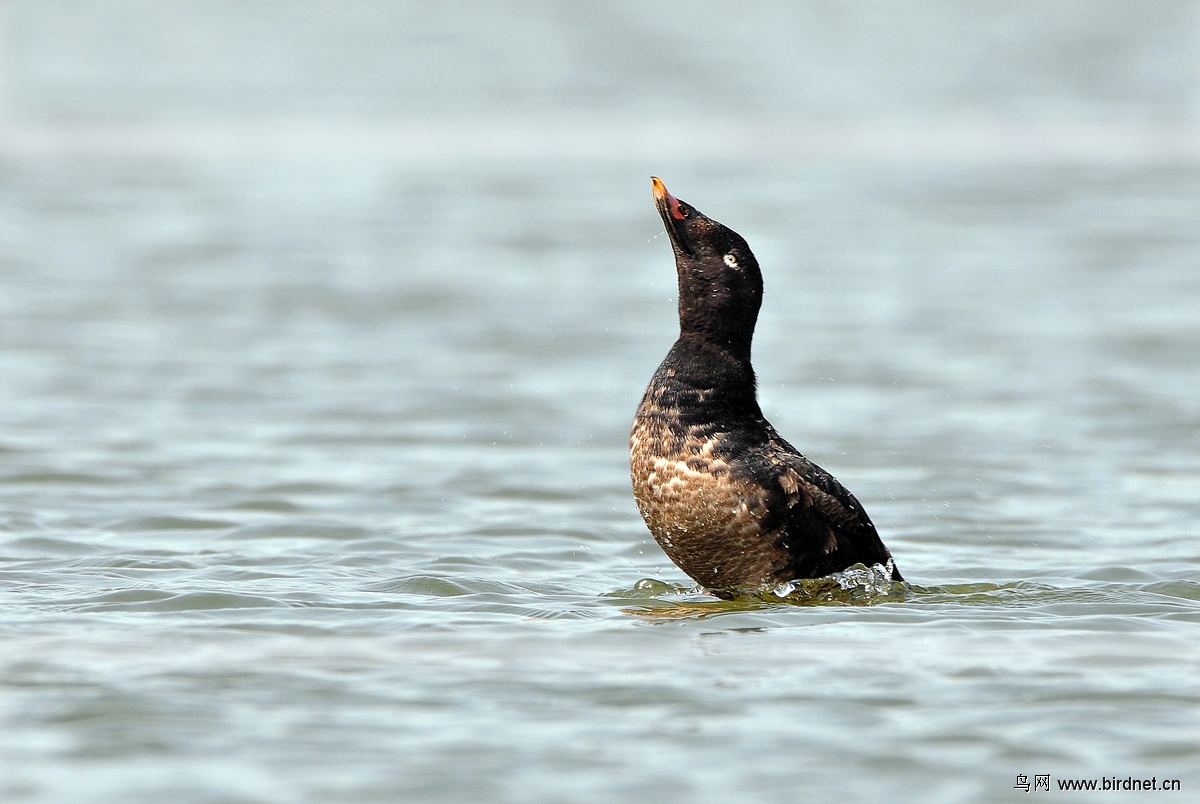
707 519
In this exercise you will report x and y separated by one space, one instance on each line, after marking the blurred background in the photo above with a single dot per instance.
322 325
1076 81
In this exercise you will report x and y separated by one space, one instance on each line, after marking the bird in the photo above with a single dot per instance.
730 502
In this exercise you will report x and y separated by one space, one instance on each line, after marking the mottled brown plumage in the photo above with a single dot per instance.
731 503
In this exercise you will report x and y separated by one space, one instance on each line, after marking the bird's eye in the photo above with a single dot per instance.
731 261
684 211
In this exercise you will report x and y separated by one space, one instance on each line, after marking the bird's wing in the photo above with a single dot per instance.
824 525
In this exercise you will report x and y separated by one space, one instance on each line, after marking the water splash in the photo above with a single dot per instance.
857 585
874 581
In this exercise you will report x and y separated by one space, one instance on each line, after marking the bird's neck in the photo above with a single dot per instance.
721 317
696 361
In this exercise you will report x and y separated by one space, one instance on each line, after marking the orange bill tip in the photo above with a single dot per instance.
661 195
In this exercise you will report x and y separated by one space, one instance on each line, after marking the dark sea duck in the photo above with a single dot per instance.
732 503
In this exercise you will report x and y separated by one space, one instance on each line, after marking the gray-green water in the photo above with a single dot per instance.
313 480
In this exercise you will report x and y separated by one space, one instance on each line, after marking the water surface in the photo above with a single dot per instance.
321 331
315 485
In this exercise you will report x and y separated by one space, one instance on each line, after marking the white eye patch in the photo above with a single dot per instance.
731 261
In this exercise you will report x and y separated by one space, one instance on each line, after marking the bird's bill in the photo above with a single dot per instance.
673 214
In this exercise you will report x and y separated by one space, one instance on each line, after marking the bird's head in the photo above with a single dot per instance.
720 285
